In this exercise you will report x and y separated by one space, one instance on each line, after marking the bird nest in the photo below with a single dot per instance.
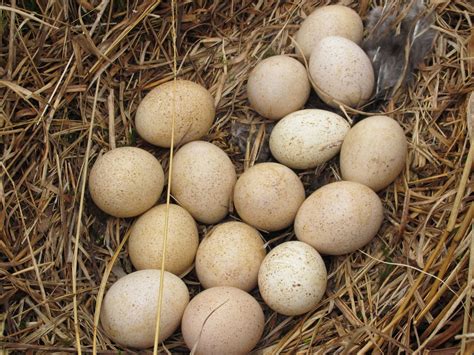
72 74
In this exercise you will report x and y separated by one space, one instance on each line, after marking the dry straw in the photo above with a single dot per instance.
71 76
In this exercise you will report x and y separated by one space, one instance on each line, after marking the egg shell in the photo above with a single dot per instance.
126 181
341 72
332 20
223 320
307 138
268 195
292 278
374 152
230 255
128 314
339 218
145 245
203 179
194 113
277 86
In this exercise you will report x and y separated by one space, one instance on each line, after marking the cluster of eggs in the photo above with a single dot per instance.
231 259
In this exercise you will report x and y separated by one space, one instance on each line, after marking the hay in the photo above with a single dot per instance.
71 79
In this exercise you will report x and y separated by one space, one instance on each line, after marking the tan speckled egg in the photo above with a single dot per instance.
339 218
145 245
277 86
374 152
230 256
341 72
292 279
222 320
202 181
128 314
268 195
126 181
307 138
332 20
194 107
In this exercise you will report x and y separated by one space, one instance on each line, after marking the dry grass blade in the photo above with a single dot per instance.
170 182
71 78
470 116
27 15
101 293
468 324
79 223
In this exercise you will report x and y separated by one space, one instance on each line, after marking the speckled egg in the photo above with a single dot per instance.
128 314
203 179
374 152
341 72
126 181
277 86
268 195
307 138
332 20
194 113
339 218
292 279
230 255
145 245
222 320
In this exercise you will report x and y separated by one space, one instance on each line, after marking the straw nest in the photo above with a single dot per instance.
72 74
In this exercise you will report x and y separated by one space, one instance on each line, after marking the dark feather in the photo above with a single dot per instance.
241 133
397 46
